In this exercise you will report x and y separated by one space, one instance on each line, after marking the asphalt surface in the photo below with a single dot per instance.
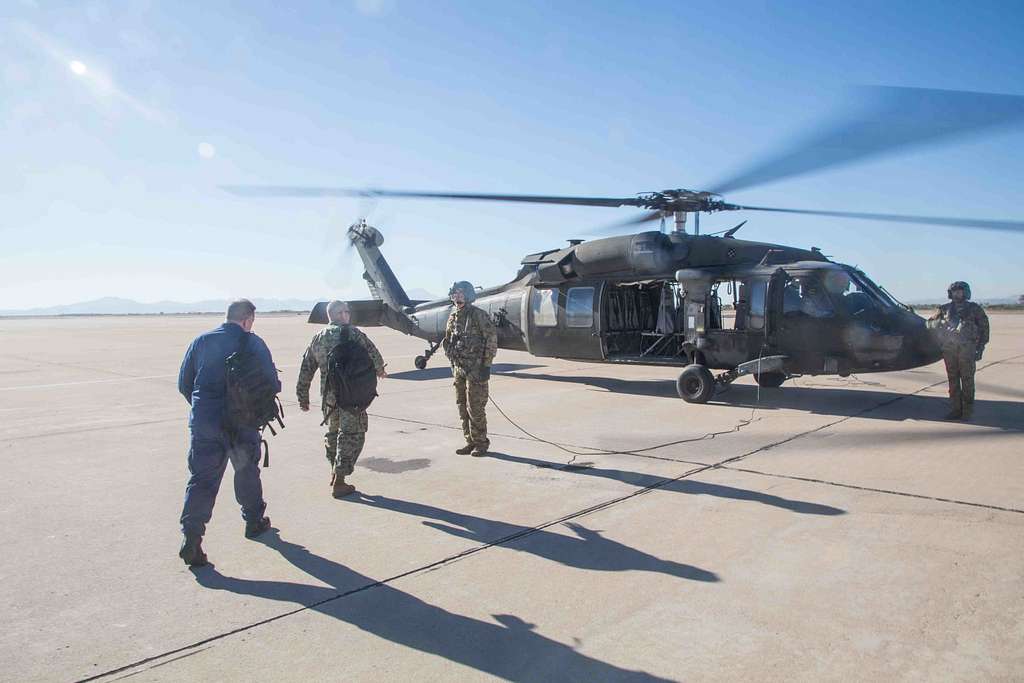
831 529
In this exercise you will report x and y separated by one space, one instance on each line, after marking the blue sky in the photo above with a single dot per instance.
109 181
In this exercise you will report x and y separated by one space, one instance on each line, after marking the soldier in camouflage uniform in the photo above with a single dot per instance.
470 342
963 332
346 430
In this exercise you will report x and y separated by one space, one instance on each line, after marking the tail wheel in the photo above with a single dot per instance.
695 384
420 362
770 380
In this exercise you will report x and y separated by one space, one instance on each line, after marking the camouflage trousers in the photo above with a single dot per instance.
471 397
960 367
346 433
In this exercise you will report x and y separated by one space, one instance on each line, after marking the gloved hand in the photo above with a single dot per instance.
485 373
304 407
979 352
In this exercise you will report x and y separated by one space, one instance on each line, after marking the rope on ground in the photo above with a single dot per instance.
639 451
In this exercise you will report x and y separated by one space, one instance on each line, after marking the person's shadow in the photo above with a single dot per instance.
686 486
509 648
587 550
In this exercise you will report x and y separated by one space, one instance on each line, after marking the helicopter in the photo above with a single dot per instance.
700 303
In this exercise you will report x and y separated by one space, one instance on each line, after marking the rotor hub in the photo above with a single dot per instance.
689 201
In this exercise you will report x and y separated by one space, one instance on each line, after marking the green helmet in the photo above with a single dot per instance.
467 289
959 284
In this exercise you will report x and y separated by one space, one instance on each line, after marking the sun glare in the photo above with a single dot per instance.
206 150
78 68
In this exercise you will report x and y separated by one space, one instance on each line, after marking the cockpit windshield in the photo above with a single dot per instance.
854 293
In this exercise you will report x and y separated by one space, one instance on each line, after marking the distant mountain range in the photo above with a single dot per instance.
993 301
116 306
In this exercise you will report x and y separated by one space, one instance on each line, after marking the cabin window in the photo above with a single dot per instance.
545 307
755 291
579 307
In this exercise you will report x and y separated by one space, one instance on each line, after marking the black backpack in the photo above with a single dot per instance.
351 376
251 396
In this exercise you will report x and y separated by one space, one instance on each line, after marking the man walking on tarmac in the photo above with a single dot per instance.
963 332
202 380
470 342
346 426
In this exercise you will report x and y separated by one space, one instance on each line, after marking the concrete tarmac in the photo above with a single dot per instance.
832 529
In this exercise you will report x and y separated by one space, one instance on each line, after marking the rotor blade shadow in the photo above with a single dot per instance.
684 486
588 549
445 371
509 649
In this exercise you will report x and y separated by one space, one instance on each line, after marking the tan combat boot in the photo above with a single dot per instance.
341 489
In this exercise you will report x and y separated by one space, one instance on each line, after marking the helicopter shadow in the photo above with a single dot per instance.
651 387
508 648
888 406
588 549
685 486
834 401
445 372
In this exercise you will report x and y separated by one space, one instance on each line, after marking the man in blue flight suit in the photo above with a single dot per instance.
202 381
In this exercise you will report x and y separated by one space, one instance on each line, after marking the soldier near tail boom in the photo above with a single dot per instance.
346 425
470 342
962 326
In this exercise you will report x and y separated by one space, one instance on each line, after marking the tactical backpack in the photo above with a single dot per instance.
252 400
351 377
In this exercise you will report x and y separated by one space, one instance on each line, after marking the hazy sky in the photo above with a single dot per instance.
120 119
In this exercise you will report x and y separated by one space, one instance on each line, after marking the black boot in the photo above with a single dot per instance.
465 450
192 551
256 527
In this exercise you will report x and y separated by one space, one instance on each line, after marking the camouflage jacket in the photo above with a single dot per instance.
470 338
960 324
315 357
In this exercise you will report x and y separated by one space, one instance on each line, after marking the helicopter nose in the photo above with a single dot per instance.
923 348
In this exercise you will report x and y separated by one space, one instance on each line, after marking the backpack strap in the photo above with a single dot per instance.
266 451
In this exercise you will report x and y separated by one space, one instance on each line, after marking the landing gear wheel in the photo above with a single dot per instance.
770 380
420 362
695 384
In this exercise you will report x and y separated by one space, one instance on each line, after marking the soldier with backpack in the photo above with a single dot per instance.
229 379
349 366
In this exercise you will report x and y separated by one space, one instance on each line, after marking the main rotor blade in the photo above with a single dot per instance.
636 220
895 119
304 191
974 223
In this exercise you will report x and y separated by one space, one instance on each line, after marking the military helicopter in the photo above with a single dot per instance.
700 302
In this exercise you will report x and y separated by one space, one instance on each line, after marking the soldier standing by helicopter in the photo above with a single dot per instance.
470 342
963 332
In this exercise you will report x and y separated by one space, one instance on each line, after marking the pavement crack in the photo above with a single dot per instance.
890 492
524 533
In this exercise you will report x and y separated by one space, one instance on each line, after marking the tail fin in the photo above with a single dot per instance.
379 277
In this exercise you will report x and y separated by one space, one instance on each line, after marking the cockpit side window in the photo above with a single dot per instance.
852 294
805 295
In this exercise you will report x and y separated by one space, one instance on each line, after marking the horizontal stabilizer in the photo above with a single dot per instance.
367 313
